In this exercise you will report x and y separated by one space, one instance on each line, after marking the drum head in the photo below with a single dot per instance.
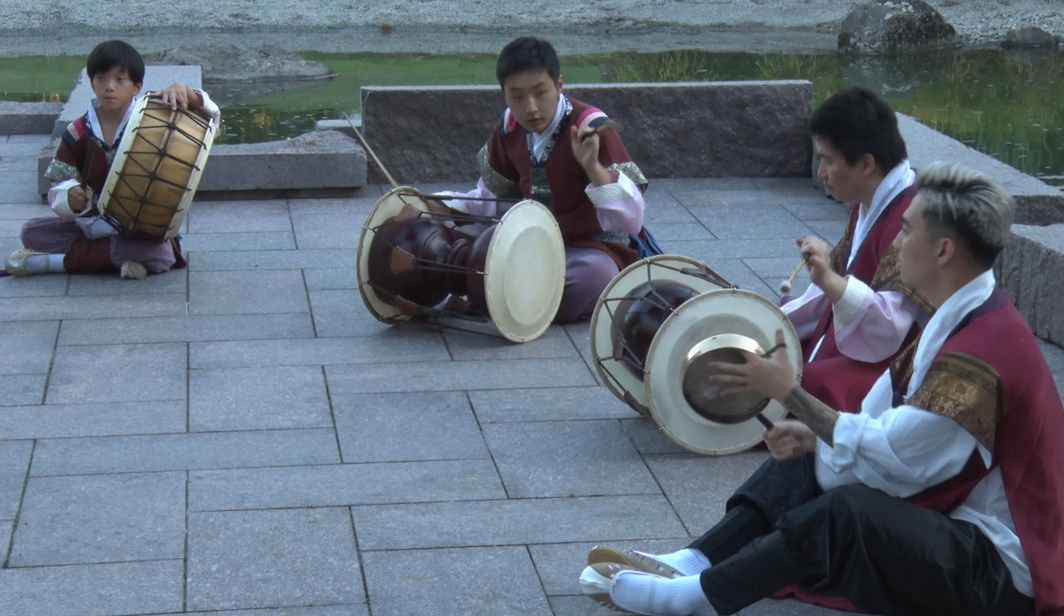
736 318
659 268
524 274
387 207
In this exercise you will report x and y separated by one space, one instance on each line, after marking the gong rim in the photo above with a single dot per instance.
386 207
614 374
524 274
698 319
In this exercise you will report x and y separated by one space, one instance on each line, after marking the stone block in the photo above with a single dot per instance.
407 427
314 160
338 485
118 373
515 522
547 404
457 376
342 313
649 439
468 346
331 278
567 458
714 129
694 230
28 118
186 329
1029 269
246 292
21 389
322 231
462 580
269 260
40 287
93 307
28 347
278 240
256 559
81 419
257 399
14 466
351 609
252 216
131 588
178 452
101 518
751 222
174 281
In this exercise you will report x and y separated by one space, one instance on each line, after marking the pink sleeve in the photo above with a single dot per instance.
805 311
471 204
618 206
872 326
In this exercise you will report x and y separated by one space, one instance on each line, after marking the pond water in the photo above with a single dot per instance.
1006 105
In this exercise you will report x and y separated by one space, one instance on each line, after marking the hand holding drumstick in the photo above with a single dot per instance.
817 257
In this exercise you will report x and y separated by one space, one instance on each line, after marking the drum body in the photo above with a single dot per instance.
415 253
156 169
656 329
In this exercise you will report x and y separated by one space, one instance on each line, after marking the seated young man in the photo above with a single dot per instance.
857 314
559 152
944 495
76 239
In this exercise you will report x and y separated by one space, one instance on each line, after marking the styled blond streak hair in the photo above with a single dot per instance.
968 206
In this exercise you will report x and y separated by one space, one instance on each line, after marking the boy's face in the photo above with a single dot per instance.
114 89
532 97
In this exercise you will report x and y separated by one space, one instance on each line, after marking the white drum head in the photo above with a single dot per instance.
524 274
665 268
387 207
728 311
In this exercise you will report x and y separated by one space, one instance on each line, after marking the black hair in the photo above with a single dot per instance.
110 54
527 53
857 122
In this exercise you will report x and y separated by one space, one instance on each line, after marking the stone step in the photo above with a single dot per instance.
28 118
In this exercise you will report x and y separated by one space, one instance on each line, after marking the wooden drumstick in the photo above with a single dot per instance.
785 286
370 150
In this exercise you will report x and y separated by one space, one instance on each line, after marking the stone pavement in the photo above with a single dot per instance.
242 438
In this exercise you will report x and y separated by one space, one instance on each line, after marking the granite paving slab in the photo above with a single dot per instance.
648 438
331 278
172 282
166 452
206 242
101 518
244 260
23 211
144 372
548 404
250 216
322 231
342 313
406 427
686 231
470 581
21 389
343 484
395 344
246 292
515 522
132 588
90 307
457 375
93 419
255 559
351 609
567 458
257 398
14 468
28 346
750 221
698 486
467 346
272 327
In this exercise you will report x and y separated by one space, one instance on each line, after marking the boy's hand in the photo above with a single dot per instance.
790 439
586 150
178 95
78 197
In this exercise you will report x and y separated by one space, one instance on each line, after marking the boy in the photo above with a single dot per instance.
559 152
77 240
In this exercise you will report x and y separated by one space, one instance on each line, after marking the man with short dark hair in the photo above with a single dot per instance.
944 495
564 154
857 315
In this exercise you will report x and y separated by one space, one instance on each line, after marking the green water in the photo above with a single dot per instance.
1000 105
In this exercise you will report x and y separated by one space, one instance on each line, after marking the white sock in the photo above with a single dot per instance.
686 561
44 264
55 264
644 593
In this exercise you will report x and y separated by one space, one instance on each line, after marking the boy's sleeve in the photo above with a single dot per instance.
69 156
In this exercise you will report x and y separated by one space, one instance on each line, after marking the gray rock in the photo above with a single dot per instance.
713 129
1028 270
1030 37
888 27
28 118
896 76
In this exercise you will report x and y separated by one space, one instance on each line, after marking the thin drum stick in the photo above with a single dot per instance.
370 150
785 286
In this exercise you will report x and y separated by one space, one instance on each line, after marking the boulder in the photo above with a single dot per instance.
886 26
1029 38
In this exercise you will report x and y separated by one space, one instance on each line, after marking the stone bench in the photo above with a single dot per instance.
28 118
705 129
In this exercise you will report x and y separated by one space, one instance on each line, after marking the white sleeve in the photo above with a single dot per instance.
57 199
211 108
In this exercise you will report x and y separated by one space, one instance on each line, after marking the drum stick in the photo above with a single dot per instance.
370 150
785 286
765 421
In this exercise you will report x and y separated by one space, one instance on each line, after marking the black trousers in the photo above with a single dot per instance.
886 555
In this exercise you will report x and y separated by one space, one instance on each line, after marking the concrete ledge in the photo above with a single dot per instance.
28 118
1037 203
315 163
1029 270
707 129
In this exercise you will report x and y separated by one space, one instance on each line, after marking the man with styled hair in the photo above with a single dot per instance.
943 495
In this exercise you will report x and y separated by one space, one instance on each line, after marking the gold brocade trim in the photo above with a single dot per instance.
967 390
839 252
888 278
901 369
496 183
633 172
59 171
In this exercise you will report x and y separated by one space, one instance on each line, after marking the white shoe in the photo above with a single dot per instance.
16 262
132 270
595 582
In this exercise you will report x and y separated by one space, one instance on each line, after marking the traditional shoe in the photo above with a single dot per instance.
632 560
16 262
132 270
595 582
